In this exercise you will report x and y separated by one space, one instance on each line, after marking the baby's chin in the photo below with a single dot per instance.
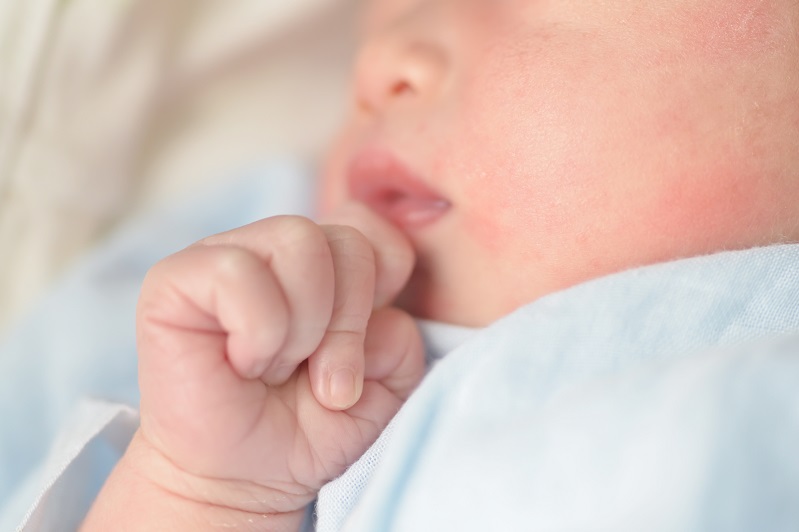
418 299
423 299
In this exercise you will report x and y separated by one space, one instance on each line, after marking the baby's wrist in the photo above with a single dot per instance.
148 488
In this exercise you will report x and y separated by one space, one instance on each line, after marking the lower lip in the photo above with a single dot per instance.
394 192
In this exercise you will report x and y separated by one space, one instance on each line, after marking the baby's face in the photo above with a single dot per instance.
529 145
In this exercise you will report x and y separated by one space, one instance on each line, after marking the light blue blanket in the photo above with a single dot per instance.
664 398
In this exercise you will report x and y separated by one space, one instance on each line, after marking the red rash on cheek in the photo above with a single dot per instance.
707 212
483 221
514 214
490 235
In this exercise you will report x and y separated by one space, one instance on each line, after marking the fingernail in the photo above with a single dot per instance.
343 391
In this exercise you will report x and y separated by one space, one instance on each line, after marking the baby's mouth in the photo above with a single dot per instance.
389 188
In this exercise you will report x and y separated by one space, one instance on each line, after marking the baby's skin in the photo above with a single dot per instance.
496 151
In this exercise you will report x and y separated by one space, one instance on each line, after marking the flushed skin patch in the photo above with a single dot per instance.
574 139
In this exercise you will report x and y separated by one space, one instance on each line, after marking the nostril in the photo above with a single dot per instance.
401 88
395 69
397 89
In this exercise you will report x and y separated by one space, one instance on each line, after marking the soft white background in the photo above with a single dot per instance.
111 107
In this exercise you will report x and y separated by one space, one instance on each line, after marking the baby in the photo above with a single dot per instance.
497 151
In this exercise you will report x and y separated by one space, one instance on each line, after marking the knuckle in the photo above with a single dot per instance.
219 239
293 228
228 263
279 230
300 235
161 272
350 241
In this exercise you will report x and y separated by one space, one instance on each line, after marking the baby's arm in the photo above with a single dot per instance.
268 362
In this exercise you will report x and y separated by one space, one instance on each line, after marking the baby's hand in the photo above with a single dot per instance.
270 361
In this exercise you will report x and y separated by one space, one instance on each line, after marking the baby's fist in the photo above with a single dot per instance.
269 360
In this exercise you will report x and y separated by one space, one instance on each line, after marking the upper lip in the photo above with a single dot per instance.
384 183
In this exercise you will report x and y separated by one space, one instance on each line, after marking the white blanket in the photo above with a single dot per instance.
108 107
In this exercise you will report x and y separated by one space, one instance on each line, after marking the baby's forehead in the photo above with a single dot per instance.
713 25
739 12
743 25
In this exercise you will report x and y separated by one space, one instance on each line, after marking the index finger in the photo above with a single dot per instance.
336 368
393 253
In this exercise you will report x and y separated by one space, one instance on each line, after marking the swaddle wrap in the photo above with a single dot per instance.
655 399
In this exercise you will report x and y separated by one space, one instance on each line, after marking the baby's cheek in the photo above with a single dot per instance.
708 212
521 184
729 29
513 212
492 201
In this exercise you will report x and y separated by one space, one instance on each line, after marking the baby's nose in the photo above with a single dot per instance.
400 64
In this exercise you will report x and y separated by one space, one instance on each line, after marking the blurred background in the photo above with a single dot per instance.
111 108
